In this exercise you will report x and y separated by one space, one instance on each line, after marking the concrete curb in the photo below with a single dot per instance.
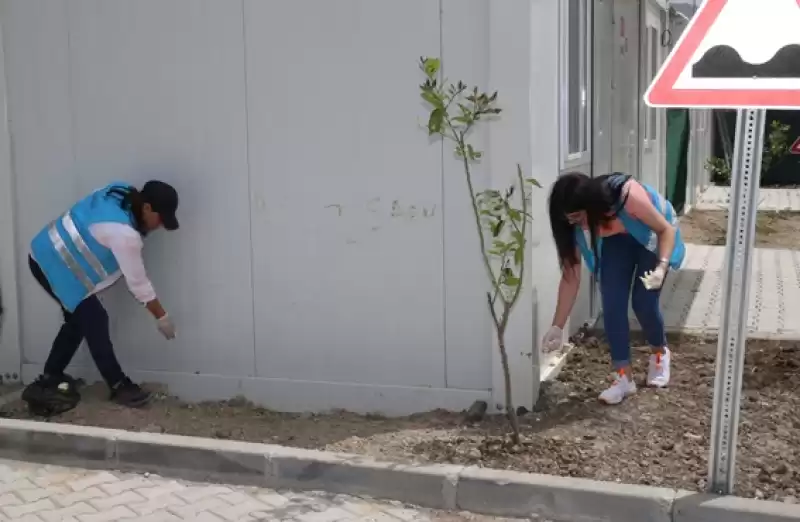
490 492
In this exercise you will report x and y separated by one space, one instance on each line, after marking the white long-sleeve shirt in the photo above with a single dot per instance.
126 244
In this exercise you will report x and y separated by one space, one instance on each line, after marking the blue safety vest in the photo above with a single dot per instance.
72 260
640 231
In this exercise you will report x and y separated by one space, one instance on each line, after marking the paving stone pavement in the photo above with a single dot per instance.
692 297
716 198
44 493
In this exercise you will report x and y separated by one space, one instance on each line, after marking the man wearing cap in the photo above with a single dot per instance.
81 253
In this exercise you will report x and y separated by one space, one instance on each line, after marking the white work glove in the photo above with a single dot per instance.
654 279
553 339
166 326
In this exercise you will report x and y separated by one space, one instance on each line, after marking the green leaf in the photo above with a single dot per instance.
519 255
431 66
534 182
498 227
432 98
512 281
435 122
515 215
518 237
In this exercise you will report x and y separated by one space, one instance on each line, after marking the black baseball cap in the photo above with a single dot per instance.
163 198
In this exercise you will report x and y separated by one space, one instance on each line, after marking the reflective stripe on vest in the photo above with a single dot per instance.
81 246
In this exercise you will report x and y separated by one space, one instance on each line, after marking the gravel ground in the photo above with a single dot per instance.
773 229
658 437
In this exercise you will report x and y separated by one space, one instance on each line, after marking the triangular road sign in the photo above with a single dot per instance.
734 54
795 148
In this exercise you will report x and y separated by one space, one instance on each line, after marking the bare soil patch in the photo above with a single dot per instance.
773 229
657 437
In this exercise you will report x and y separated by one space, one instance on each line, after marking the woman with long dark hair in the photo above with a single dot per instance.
81 253
627 234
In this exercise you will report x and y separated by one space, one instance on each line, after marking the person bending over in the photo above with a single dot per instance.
628 236
81 253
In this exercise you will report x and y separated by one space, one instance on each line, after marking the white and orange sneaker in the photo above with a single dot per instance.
658 372
622 387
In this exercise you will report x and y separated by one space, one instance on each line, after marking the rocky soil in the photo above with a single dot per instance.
658 437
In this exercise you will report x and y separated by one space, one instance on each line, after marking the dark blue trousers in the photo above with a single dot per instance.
89 321
623 260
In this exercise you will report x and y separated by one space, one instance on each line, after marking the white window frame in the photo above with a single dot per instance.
651 114
584 157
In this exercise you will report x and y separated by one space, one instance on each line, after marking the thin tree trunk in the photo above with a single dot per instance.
510 410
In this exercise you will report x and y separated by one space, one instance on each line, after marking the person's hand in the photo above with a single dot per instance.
654 279
166 326
553 339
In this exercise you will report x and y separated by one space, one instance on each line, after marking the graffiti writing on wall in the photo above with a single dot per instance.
393 209
376 214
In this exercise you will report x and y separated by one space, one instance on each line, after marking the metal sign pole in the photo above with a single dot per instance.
745 179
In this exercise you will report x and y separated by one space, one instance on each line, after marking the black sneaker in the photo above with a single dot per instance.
130 394
51 395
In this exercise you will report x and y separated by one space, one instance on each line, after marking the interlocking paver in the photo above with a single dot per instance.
192 509
92 479
158 503
691 300
59 494
79 496
57 515
123 499
158 516
109 515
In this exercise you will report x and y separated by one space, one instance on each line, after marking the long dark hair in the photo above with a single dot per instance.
131 200
600 197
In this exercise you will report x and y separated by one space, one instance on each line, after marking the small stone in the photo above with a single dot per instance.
477 411
782 469
153 428
474 453
789 500
240 401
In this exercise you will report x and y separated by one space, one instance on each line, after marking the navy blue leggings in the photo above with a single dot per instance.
89 321
623 261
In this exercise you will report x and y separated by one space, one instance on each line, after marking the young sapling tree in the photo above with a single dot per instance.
501 217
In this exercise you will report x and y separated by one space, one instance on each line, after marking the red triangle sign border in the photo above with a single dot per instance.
662 94
795 148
